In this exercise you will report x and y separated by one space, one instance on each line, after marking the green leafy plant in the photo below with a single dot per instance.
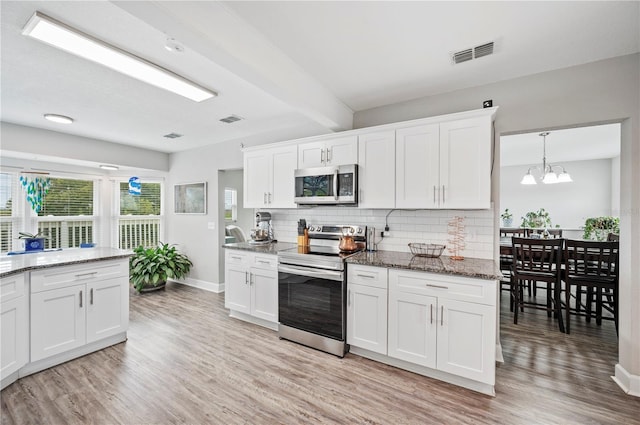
599 227
150 267
536 219
506 215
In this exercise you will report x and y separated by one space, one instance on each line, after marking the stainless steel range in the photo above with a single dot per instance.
312 289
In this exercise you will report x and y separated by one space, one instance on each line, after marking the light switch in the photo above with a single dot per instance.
211 225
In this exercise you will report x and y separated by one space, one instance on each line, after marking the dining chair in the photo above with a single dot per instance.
613 237
591 265
537 260
506 257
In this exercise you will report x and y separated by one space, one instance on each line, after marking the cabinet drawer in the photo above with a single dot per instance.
454 287
262 261
367 276
60 277
238 257
11 287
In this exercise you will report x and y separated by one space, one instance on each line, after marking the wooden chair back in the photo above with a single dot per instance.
509 232
537 256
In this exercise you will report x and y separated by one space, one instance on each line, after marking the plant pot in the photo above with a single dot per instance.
151 288
34 244
507 222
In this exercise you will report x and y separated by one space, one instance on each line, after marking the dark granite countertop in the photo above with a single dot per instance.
39 260
271 248
469 267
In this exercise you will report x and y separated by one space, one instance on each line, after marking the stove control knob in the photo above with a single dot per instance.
351 230
359 230
311 229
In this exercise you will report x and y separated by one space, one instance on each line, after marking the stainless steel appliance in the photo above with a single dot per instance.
263 232
327 185
312 290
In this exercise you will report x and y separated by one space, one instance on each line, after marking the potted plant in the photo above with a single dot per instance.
507 218
33 242
598 228
149 268
536 219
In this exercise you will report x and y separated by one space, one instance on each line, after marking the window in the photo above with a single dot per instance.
67 214
230 204
139 216
7 211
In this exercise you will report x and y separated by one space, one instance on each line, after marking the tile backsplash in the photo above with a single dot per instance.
426 226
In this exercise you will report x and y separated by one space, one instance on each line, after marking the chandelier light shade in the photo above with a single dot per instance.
547 174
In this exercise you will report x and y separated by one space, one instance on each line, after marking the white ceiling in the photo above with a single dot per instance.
304 66
565 145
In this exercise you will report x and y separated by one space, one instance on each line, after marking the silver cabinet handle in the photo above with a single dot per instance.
81 298
86 274
236 258
443 194
322 156
441 315
436 286
434 193
329 155
349 298
246 278
361 199
251 278
91 296
365 275
263 262
431 313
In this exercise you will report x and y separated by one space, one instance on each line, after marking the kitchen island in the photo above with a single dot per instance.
60 305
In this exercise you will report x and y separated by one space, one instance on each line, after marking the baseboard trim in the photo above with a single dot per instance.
629 383
202 284
499 355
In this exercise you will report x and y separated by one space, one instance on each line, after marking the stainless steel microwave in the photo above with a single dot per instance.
327 185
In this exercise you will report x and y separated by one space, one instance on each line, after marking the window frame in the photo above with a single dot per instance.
117 217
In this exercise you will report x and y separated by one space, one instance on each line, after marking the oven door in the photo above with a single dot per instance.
312 300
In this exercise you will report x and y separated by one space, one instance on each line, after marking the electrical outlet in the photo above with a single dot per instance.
385 234
487 103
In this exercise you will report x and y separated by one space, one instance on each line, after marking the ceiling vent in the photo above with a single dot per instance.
231 118
473 53
172 135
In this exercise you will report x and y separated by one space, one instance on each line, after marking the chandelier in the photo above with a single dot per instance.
547 173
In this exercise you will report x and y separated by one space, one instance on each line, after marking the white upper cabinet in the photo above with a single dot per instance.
334 151
445 165
417 170
465 163
377 169
268 177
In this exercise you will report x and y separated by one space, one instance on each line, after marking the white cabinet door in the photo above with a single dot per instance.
107 308
237 294
342 150
465 163
466 339
417 167
14 335
412 328
377 170
57 321
256 178
264 294
284 161
312 154
367 318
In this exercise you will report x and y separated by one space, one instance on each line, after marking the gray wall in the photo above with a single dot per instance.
603 91
568 204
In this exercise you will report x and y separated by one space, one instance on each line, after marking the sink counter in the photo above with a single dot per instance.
271 248
469 267
24 262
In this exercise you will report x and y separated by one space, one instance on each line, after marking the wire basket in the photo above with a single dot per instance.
431 250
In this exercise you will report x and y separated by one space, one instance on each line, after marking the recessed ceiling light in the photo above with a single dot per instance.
110 167
64 37
60 119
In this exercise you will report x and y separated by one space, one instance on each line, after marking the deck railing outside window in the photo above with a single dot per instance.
66 233
135 231
6 235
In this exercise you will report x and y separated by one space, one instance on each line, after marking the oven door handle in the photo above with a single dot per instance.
301 271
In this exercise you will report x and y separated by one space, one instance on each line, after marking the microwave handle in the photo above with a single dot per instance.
335 184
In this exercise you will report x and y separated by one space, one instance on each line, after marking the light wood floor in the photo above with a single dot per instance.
186 361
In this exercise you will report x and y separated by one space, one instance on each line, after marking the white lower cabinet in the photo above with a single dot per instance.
251 284
438 325
77 305
14 319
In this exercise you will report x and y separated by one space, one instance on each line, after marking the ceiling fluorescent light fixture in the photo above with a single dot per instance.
64 37
548 176
60 119
109 167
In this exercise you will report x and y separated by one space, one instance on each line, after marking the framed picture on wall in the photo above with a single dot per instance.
190 198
